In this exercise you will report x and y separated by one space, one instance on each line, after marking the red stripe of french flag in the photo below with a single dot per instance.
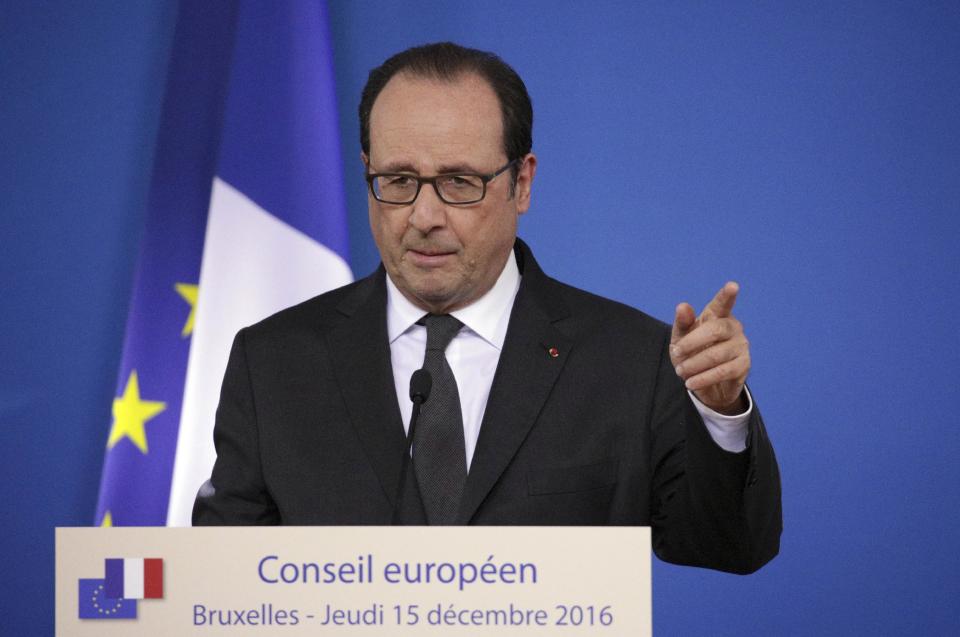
152 578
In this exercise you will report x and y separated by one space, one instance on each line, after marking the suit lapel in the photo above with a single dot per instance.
526 373
360 354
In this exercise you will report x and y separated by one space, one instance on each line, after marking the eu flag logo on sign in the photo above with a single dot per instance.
94 603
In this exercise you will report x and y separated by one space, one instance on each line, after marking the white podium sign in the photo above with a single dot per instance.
403 581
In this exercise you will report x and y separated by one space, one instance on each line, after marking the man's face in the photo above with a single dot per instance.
443 257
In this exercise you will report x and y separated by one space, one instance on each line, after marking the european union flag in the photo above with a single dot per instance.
246 216
94 603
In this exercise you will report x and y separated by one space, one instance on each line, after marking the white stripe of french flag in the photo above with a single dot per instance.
134 578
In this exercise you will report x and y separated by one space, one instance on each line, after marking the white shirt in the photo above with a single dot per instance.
475 350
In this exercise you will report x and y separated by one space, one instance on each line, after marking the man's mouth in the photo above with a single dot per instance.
429 256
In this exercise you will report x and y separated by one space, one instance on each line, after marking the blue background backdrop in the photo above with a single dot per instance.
808 150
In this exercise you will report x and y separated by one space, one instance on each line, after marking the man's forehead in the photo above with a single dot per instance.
458 83
450 120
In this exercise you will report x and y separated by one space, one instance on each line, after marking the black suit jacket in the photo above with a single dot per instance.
308 430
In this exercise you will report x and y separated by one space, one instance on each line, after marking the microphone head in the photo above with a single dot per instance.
420 384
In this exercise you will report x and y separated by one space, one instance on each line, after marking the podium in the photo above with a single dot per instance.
397 581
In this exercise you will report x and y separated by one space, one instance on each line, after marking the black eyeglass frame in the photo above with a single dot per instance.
485 179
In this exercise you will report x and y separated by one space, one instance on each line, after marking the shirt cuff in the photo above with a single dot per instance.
729 432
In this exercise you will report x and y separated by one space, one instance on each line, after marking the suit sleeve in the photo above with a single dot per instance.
236 493
711 508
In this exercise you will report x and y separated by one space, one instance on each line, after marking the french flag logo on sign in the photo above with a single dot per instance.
134 578
126 580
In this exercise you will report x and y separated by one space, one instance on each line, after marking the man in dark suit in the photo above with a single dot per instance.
550 406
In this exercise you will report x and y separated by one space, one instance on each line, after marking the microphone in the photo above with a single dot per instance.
420 385
421 382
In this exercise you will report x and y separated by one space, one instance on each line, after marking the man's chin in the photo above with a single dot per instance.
432 290
434 300
433 296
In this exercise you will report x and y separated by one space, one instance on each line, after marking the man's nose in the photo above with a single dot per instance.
428 211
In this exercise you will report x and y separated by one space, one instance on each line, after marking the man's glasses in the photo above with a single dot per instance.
453 188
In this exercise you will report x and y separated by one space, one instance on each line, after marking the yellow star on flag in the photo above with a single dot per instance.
130 414
107 520
189 292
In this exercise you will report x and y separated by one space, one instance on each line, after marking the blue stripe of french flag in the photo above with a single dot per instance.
133 578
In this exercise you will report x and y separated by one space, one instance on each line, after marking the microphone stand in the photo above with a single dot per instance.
420 384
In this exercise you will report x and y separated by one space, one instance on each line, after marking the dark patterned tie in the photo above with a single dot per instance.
438 453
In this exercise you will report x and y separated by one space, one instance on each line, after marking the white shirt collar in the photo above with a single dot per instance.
487 317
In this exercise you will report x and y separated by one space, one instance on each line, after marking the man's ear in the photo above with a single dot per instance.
524 185
365 160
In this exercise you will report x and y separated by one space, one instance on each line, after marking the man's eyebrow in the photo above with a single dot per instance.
445 169
397 167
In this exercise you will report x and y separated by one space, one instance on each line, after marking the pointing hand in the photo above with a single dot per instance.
710 352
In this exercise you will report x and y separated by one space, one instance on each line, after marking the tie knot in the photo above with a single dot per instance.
441 328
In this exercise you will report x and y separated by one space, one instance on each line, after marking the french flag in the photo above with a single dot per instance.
246 216
133 578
